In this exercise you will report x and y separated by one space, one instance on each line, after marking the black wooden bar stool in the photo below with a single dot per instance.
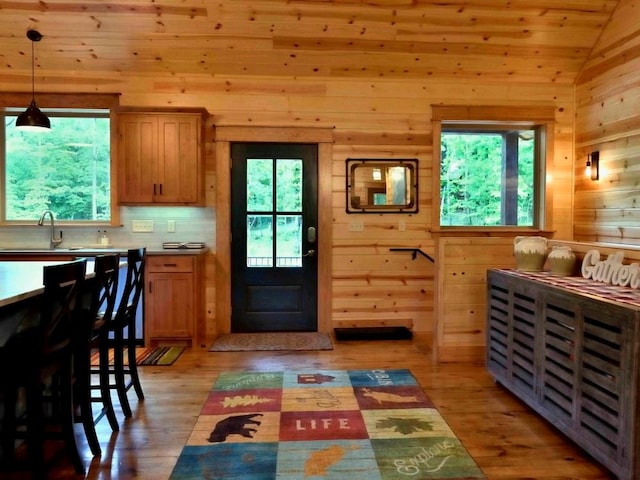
122 328
43 366
99 309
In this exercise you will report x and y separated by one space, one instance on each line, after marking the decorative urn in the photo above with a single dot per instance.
530 253
561 260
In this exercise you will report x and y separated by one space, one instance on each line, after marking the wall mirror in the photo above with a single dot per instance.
382 186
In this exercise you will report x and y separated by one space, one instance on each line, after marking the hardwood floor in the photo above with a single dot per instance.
507 440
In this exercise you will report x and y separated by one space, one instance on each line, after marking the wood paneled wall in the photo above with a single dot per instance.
369 119
608 121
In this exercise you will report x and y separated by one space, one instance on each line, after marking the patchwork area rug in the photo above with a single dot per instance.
322 424
147 356
248 342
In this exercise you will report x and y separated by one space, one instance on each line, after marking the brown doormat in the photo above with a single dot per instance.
251 342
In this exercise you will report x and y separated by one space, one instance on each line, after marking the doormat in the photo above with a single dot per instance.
373 333
248 342
329 424
163 356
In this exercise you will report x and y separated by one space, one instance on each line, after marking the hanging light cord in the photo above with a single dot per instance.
33 72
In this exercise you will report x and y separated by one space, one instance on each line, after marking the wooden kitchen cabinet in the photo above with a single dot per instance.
160 158
173 299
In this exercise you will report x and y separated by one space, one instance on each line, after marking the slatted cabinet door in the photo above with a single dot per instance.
606 415
558 365
511 346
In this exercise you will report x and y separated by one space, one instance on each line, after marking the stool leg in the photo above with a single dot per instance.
82 397
105 390
35 426
9 423
66 398
118 370
133 364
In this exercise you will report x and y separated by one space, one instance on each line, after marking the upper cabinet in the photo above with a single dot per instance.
160 158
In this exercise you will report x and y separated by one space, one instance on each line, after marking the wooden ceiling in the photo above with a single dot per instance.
537 41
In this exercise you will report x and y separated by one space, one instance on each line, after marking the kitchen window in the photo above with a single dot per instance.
492 167
66 170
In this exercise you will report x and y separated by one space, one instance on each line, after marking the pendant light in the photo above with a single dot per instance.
32 119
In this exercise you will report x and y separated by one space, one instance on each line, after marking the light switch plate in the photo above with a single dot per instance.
171 226
142 226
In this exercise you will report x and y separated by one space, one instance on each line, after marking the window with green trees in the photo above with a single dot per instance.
488 175
65 170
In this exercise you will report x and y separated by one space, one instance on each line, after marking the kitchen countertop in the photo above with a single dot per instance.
93 251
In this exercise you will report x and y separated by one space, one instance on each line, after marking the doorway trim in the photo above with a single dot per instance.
223 138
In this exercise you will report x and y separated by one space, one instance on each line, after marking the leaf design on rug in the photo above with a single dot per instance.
244 400
382 397
320 460
405 426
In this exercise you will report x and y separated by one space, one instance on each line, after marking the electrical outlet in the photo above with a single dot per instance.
171 226
142 226
356 226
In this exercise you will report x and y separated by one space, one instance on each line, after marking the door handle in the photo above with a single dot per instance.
311 235
310 253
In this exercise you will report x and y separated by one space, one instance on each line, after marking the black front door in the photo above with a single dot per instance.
273 237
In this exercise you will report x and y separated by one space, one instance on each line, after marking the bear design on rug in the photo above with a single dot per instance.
237 425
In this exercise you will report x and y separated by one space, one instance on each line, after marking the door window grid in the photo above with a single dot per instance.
263 223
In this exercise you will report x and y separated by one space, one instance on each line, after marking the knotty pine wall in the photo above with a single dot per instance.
608 121
369 119
386 119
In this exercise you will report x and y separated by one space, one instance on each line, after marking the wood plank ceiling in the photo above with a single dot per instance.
536 41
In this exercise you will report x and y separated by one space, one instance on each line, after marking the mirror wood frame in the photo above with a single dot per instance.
356 186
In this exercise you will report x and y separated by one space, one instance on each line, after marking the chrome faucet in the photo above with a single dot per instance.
54 241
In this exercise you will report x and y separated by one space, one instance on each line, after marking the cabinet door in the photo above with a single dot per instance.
169 304
137 153
178 170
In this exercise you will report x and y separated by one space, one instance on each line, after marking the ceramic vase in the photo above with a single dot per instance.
561 260
530 253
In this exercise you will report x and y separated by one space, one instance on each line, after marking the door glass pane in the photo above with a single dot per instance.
259 241
289 185
259 185
289 241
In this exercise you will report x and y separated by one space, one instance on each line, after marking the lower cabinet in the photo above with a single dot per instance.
573 357
172 299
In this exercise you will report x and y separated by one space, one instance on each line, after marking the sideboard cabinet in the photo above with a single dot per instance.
568 347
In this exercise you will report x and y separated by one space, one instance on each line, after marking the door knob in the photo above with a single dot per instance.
310 253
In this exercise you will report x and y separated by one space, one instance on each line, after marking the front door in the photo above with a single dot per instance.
274 237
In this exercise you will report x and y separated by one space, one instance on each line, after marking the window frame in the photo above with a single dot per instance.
9 102
540 118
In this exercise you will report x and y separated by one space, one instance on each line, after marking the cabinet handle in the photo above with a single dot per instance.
170 264
160 189
150 287
154 188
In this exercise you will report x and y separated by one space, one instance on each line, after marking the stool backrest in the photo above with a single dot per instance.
134 284
103 295
60 304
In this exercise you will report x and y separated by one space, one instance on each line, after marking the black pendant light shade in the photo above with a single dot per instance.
32 118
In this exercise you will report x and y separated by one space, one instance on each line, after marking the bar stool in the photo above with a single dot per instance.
123 321
92 333
43 355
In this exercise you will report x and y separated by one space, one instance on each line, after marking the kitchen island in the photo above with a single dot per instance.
172 310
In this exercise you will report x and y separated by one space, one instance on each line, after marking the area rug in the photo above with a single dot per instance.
163 356
248 342
321 424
